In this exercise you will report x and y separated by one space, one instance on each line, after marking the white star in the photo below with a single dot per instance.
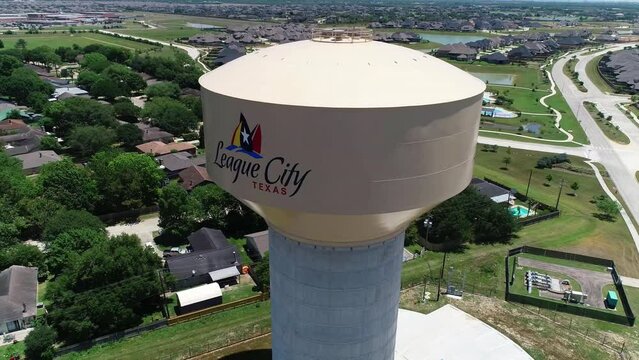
245 137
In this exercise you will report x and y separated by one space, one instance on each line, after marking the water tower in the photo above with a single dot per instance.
339 142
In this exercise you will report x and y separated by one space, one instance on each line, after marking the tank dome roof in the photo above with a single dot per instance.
364 74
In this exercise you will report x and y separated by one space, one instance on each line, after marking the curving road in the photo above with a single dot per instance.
621 161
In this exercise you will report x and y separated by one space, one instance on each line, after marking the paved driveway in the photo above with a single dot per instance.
592 282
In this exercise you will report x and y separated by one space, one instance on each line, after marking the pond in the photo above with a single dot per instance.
446 39
496 79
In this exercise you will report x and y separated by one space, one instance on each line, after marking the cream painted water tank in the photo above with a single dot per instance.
339 142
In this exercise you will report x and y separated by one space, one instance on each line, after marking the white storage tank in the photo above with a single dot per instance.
339 142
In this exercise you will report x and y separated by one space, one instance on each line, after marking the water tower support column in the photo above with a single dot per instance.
334 303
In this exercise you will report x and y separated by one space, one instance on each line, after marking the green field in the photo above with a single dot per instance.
238 292
594 76
607 127
193 337
240 244
82 39
424 45
8 350
547 123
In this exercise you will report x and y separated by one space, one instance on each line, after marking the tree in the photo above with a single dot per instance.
87 78
8 64
107 289
125 79
126 111
67 247
50 143
23 255
88 140
105 87
170 115
38 345
131 181
129 135
69 185
37 213
22 83
1 44
506 161
177 211
68 113
574 186
165 89
194 103
548 179
607 207
45 56
66 220
37 101
262 273
95 62
21 44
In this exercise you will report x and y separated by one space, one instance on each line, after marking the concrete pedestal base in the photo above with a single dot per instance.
334 303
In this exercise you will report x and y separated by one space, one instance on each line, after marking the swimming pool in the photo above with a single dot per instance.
520 211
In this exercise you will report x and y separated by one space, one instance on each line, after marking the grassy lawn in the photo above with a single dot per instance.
241 246
522 99
81 39
608 128
593 75
569 70
161 34
191 337
238 292
528 76
8 350
569 121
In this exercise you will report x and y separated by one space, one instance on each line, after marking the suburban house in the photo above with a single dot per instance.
495 58
152 133
174 163
193 176
496 193
62 93
18 138
257 244
212 259
157 148
18 297
32 162
457 51
228 54
198 298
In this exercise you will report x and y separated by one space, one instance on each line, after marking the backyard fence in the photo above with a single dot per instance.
627 319
112 337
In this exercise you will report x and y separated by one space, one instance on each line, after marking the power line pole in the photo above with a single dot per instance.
559 195
166 306
528 187
441 275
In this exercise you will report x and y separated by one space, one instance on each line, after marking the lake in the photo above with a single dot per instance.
496 79
446 39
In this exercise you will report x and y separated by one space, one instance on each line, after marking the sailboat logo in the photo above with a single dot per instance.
245 140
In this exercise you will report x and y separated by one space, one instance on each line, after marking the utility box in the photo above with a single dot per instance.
611 299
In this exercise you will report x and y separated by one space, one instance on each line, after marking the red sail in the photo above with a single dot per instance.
256 139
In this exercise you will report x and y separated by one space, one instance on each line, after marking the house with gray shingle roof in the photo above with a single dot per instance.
33 162
18 297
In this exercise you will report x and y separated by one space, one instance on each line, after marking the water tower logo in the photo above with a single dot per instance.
245 140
